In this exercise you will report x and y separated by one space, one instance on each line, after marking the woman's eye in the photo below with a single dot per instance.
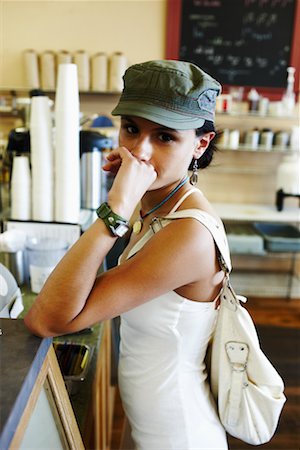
130 129
164 137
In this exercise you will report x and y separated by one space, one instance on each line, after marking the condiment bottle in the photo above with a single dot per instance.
253 99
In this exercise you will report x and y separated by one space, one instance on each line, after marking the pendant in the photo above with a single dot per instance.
137 226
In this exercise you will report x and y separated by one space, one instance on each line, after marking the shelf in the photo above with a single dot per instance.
10 90
252 114
236 114
260 149
256 213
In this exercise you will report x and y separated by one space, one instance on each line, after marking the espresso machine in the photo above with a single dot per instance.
95 182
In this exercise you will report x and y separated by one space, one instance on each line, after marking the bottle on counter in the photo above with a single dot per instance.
266 139
253 100
234 139
263 106
281 139
288 98
252 139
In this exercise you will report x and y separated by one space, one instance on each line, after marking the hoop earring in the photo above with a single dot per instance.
194 177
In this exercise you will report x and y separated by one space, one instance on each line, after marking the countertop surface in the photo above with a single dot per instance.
80 392
256 213
21 358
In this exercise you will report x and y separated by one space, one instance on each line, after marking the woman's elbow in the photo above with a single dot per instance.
39 327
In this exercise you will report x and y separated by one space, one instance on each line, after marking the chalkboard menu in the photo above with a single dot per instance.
239 42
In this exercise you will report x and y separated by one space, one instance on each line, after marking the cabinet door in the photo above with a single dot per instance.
48 421
44 428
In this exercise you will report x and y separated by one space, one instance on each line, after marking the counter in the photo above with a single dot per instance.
21 358
256 213
81 396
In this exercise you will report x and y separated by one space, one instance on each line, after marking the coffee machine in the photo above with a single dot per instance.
94 181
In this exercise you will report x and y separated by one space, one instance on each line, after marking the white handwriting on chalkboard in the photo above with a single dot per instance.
231 74
216 60
198 33
248 61
271 3
263 19
208 3
200 50
202 17
249 33
262 36
261 62
239 43
233 60
254 47
218 41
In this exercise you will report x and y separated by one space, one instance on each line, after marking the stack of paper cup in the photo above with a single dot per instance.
63 57
81 59
41 147
118 65
48 70
31 69
67 171
20 189
99 72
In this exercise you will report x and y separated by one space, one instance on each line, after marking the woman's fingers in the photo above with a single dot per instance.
114 159
133 179
112 166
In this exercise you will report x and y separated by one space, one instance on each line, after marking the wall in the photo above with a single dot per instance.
135 27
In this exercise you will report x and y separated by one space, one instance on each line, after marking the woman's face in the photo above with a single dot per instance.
169 151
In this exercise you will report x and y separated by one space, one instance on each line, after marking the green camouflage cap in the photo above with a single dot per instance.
175 94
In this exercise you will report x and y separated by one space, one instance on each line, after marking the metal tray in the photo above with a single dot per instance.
279 237
244 239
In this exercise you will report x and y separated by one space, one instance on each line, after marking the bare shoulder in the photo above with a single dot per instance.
181 247
197 200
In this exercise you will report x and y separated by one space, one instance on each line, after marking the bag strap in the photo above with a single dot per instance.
214 227
181 200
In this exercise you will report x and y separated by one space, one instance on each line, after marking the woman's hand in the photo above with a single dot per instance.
133 179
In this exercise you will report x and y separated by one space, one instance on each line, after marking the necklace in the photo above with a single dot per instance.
138 225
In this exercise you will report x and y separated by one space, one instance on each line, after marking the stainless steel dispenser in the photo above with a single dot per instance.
18 145
93 147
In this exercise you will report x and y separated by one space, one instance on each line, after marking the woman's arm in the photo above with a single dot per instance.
64 294
71 300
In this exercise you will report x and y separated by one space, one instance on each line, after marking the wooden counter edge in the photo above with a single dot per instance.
50 370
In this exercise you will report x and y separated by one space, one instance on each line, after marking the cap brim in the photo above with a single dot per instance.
165 117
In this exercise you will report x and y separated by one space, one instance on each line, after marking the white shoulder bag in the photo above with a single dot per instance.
247 388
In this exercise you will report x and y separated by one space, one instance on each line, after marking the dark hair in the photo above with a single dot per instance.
207 156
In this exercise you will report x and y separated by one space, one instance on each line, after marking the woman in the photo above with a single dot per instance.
169 278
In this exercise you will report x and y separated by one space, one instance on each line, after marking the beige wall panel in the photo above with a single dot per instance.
135 27
241 177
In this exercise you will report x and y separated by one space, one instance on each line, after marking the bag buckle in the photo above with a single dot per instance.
156 224
237 353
